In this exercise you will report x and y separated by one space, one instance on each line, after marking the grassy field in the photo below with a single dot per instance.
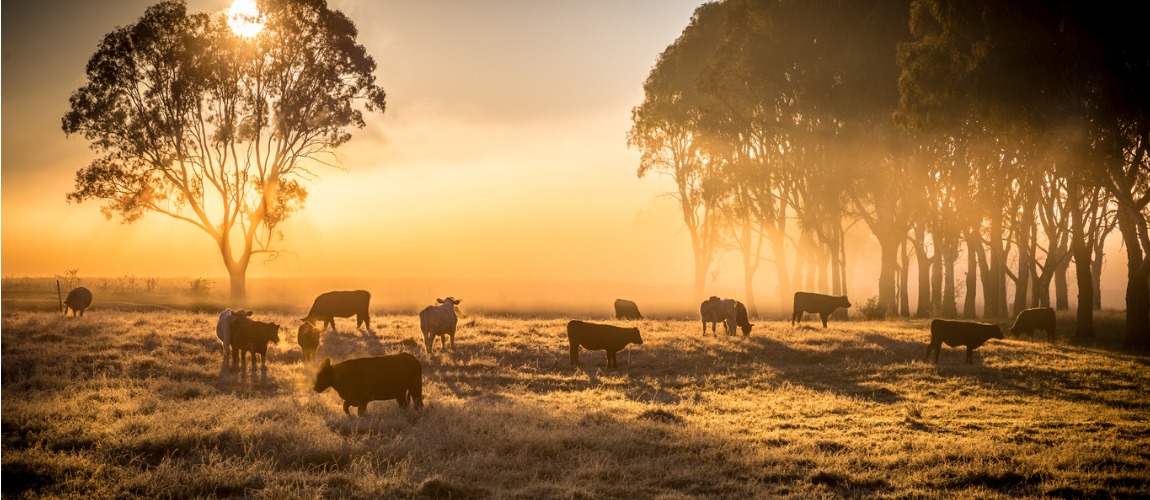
133 403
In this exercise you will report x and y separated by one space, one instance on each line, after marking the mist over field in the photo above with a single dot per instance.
799 197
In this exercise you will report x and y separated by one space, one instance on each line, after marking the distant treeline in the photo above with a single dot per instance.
991 144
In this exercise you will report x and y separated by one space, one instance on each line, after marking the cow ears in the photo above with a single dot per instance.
438 301
326 364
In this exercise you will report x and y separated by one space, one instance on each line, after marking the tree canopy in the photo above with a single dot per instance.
196 122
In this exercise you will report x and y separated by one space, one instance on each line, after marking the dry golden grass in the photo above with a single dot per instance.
131 403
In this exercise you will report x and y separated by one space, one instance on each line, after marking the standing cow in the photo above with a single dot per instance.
78 300
224 331
360 381
308 339
439 320
730 312
625 309
250 336
344 304
1037 318
960 333
595 337
824 305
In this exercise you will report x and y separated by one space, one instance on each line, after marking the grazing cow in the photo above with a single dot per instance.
595 337
730 312
439 320
308 338
250 336
625 309
742 319
331 305
360 381
1038 318
224 330
824 305
78 300
960 333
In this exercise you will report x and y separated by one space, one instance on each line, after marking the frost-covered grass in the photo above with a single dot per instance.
132 403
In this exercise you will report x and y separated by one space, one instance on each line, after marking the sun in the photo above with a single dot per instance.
244 18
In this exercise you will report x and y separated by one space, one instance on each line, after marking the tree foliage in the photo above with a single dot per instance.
195 122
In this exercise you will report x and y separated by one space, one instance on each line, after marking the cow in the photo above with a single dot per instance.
711 312
824 305
439 320
595 337
224 331
78 300
625 309
960 333
308 338
1038 318
360 381
250 336
344 304
730 312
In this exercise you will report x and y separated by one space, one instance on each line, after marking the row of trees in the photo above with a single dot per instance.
990 144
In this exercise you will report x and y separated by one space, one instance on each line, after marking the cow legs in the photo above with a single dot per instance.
704 327
362 408
933 347
452 342
611 361
969 355
823 316
347 407
575 353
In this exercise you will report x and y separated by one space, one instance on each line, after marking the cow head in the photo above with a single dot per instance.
844 303
994 332
633 336
449 300
269 331
325 376
242 313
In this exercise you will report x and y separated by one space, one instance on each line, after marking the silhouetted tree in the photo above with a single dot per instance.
666 131
205 126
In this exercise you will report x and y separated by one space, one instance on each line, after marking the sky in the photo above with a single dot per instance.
502 153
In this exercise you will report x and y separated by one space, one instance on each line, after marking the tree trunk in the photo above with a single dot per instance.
949 306
904 281
778 247
1133 228
969 306
1022 280
750 266
887 279
925 267
1084 328
1061 286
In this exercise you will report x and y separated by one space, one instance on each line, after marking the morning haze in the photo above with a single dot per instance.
734 249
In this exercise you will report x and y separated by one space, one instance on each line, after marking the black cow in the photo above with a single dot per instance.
625 309
250 336
1037 318
78 300
331 305
824 305
595 337
360 381
308 338
960 333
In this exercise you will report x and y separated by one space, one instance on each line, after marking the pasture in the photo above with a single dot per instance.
132 403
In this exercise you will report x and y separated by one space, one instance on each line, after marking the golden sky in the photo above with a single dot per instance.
502 153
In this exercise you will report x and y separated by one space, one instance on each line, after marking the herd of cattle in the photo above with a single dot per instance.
400 376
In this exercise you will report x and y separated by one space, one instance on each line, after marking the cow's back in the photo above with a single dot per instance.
341 303
382 377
